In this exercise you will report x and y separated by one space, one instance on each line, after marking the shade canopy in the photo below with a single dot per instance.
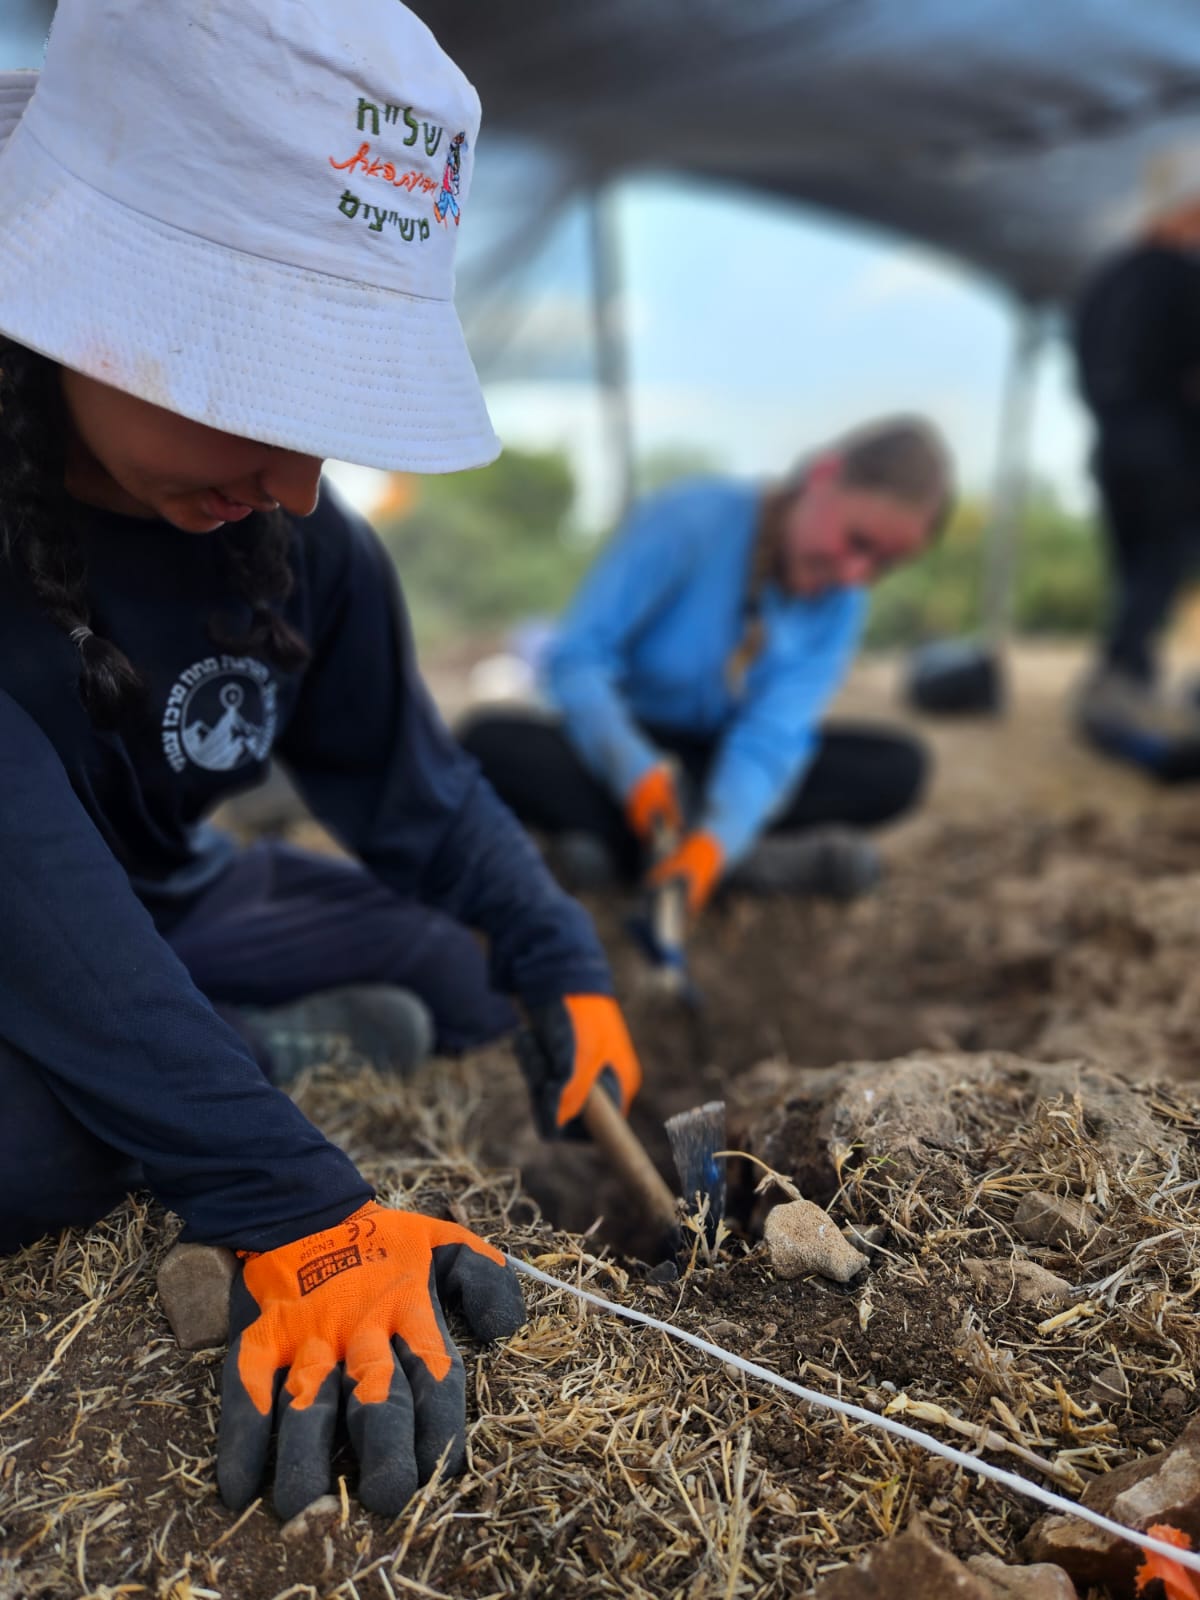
1024 139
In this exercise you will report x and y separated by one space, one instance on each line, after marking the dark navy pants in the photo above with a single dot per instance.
283 922
279 924
861 775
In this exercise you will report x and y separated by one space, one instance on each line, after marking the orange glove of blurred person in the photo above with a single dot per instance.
353 1311
697 862
653 803
567 1046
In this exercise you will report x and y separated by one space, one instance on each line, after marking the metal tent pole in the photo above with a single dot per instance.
1011 479
612 362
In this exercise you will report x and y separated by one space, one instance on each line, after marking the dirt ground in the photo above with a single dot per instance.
1042 901
1043 908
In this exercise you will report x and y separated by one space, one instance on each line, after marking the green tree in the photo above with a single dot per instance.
657 469
477 550
1060 578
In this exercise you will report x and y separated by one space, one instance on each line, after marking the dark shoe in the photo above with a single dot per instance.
581 862
1126 718
380 1024
832 861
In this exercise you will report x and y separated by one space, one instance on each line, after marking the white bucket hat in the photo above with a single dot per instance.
245 211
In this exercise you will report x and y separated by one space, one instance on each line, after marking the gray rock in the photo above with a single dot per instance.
1054 1219
1016 1279
1110 1386
1039 1582
908 1565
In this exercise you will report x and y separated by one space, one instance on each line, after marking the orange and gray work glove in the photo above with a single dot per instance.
569 1045
696 863
354 1312
652 805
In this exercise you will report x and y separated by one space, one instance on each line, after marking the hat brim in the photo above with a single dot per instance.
250 346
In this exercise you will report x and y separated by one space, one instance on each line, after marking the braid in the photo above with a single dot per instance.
39 536
256 552
38 533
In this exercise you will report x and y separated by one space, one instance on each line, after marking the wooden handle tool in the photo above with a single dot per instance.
628 1155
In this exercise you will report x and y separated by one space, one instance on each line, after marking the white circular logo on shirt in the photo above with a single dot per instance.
220 715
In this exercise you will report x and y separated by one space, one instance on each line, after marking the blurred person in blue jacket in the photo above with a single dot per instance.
691 674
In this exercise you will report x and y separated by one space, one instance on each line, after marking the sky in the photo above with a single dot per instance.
755 330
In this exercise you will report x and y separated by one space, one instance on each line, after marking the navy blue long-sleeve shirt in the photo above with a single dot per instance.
103 844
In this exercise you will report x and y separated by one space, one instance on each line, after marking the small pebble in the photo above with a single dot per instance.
722 1331
1110 1386
318 1517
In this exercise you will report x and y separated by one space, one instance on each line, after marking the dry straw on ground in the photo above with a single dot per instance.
605 1460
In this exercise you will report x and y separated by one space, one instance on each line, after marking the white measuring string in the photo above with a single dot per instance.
873 1419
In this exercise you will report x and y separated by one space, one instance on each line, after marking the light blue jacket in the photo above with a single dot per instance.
647 639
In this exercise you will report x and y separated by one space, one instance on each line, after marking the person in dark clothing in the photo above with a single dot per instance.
691 673
1137 346
181 603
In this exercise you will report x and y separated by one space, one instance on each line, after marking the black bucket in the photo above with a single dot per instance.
955 677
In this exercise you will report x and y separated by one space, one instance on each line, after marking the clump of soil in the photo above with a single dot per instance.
1076 938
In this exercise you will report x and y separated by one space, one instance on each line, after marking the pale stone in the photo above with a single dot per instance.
193 1284
319 1517
1042 1581
1016 1278
801 1237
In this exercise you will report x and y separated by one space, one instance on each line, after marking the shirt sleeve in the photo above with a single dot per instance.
97 1000
770 741
639 573
374 759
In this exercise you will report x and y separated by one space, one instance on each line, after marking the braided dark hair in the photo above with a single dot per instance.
37 526
256 556
39 536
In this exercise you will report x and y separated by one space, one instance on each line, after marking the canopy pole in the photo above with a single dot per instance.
1011 478
612 356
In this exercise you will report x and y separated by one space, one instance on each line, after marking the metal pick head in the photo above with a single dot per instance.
695 1138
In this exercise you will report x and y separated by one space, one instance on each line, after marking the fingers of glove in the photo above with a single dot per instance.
601 1040
546 1053
258 1356
302 1455
243 1435
489 1293
698 863
439 1405
381 1433
653 803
